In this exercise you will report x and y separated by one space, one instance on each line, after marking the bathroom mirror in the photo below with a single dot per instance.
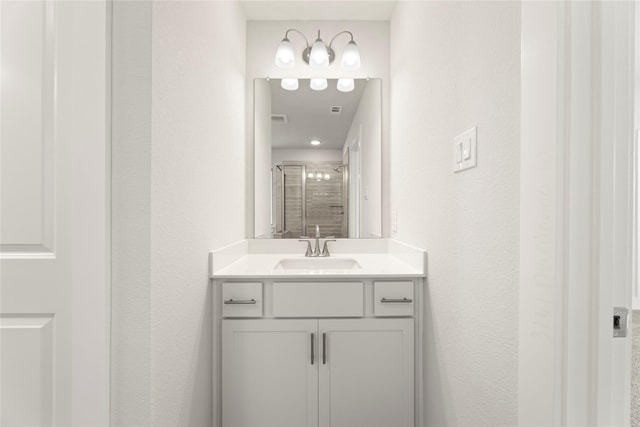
318 159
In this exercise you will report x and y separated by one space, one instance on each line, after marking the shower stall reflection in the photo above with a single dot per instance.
306 194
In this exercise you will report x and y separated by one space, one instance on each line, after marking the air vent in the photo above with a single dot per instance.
280 119
336 109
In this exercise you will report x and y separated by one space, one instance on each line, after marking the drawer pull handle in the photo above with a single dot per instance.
240 301
402 300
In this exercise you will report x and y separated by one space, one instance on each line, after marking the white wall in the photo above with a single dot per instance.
263 37
184 186
131 213
263 162
456 65
367 129
278 155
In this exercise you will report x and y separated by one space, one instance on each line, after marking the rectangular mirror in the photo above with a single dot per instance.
336 182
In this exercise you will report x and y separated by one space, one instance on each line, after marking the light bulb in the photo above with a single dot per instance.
285 58
318 84
345 85
318 176
326 177
289 84
319 57
314 142
350 57
310 175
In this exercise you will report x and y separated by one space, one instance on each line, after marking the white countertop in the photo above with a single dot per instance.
253 259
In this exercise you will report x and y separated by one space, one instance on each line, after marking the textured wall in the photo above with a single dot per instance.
131 214
456 65
197 192
179 168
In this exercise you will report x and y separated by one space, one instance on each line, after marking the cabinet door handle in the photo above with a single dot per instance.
240 301
313 348
324 348
402 300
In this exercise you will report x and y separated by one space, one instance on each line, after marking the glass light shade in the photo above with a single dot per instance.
319 57
285 57
289 84
350 57
345 85
327 177
310 175
318 84
318 176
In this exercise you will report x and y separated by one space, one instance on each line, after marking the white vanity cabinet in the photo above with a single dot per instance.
338 366
268 379
366 373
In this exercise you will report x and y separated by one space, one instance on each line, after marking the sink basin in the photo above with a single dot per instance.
327 264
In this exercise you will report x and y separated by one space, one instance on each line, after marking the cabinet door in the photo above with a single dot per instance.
268 376
366 373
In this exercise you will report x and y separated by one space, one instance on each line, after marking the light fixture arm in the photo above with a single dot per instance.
341 32
286 35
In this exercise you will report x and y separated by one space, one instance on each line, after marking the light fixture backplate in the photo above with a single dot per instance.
307 52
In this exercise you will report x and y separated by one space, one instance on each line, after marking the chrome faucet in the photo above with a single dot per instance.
316 252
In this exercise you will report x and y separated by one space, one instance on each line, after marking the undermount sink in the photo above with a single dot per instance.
328 263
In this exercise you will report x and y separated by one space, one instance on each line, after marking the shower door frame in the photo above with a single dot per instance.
303 166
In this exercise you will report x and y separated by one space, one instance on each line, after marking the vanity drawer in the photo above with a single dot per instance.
318 299
242 299
393 298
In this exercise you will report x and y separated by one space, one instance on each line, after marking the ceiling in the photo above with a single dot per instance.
309 115
313 10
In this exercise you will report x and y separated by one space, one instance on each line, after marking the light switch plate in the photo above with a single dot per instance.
465 150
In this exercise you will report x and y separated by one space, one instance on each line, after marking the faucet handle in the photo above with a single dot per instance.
325 248
309 251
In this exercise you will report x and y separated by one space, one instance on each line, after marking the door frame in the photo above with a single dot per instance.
576 221
91 211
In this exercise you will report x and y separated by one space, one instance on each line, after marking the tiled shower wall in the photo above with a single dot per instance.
325 206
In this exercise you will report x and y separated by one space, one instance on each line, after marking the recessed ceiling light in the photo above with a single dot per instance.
315 142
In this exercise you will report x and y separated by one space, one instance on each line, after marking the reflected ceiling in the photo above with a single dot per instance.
311 114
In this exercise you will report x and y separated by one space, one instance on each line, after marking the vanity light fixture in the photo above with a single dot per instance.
345 85
289 84
318 176
318 55
318 84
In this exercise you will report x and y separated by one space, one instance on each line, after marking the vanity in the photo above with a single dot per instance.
317 341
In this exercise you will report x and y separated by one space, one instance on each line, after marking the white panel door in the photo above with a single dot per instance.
366 373
53 213
269 373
